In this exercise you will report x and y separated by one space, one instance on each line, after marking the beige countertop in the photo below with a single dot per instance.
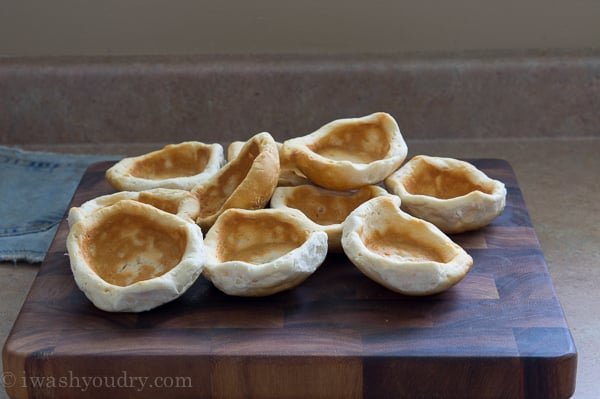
559 180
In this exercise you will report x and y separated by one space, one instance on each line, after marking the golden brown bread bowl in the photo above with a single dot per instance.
262 252
246 182
289 175
132 257
178 202
180 166
450 193
347 154
403 253
326 208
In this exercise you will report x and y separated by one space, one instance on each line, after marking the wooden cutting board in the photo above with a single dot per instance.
499 333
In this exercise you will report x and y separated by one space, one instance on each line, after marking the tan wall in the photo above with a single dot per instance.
83 27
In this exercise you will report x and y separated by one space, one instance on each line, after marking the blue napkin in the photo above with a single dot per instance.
35 190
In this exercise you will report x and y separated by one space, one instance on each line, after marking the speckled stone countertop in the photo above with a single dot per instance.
538 112
221 98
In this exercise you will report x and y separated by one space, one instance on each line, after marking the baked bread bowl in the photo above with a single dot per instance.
402 253
180 166
346 154
327 209
247 181
289 175
450 193
133 257
178 202
262 252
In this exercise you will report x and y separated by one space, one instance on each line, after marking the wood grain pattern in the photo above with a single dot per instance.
499 333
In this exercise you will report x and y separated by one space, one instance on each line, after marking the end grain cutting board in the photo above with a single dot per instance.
499 333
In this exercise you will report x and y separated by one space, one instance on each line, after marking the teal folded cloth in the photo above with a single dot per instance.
35 190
